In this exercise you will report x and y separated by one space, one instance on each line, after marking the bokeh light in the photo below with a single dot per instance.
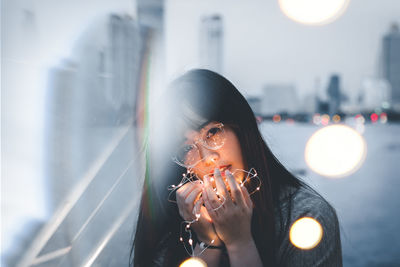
306 233
360 118
336 118
335 151
193 262
383 117
317 119
276 118
374 117
325 119
313 12
290 121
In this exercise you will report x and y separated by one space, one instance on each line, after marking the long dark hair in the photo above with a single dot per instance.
204 96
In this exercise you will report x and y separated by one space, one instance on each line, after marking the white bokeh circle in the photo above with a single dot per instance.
305 233
313 12
193 262
335 151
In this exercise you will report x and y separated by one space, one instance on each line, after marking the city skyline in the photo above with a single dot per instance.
270 48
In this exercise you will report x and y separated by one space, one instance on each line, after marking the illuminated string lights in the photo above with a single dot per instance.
250 175
250 179
188 177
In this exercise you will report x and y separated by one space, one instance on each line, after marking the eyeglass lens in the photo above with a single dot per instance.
213 138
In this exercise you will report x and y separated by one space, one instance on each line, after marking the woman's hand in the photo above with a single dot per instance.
232 220
190 203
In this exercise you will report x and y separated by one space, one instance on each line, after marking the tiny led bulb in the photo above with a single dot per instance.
198 215
181 239
190 241
212 179
258 188
188 226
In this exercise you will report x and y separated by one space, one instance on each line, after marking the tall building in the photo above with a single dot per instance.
92 163
374 93
309 103
391 64
333 91
211 43
279 98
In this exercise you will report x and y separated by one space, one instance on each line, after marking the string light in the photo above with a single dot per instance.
250 175
190 177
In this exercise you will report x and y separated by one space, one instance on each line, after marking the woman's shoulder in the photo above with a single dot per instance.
297 203
305 201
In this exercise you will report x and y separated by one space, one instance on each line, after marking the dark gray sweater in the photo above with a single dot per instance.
294 204
305 202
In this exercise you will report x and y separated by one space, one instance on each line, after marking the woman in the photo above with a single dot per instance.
210 132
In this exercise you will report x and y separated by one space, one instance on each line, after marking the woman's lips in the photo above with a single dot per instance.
222 169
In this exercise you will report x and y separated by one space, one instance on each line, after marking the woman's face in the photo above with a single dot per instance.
214 146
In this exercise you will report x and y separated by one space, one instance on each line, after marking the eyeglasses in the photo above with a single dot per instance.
212 137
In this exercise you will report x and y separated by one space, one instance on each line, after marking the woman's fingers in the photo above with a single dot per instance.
247 197
189 201
183 192
207 203
211 197
197 206
221 188
236 192
185 197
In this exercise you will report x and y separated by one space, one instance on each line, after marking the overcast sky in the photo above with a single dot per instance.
262 45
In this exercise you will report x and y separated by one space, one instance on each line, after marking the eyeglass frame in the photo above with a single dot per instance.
203 143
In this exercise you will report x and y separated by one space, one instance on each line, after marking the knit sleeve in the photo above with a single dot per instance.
307 203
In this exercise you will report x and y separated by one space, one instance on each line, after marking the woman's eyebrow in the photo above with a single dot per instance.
203 125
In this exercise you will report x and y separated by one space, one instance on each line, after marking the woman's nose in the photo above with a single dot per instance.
209 157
